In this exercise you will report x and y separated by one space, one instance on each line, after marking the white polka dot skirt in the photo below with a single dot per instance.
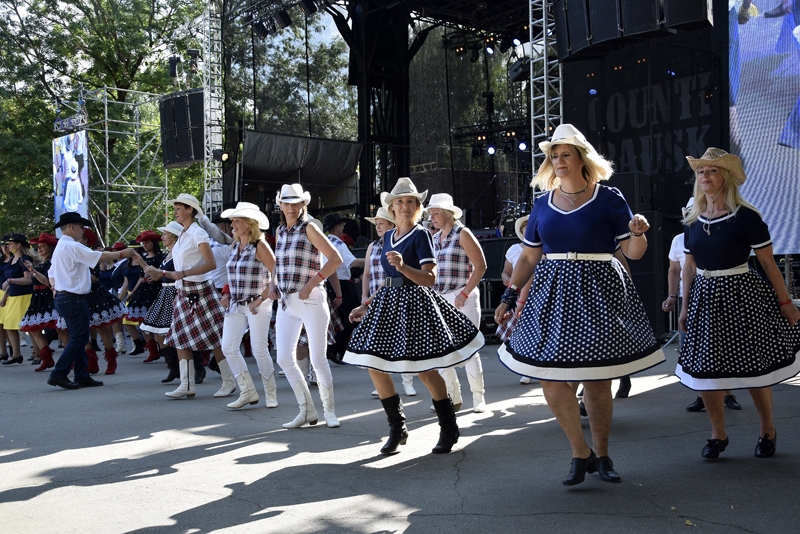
736 336
583 321
411 329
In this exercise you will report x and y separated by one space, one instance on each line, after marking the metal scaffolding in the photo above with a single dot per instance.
212 108
545 78
127 117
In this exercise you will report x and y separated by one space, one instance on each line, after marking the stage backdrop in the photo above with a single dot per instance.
71 174
765 116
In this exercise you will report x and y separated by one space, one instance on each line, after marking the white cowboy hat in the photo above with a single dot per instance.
444 201
173 227
189 200
382 213
567 134
405 188
522 221
716 157
293 194
248 211
315 222
383 199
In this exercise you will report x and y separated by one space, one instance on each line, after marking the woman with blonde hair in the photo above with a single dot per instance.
583 320
245 298
741 331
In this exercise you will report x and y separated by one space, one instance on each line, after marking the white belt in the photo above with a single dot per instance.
572 256
724 272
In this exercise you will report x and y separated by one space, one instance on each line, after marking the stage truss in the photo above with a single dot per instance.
545 78
212 108
127 115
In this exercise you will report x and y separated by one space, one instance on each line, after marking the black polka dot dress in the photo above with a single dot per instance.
159 315
583 319
736 336
411 329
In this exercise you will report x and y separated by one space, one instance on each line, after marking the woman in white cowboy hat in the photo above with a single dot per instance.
460 266
159 315
741 331
406 327
249 270
298 283
374 275
198 316
583 321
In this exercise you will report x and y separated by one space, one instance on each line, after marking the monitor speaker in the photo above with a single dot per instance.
562 29
640 16
577 25
605 21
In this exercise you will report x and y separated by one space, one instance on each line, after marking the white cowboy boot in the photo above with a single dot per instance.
408 384
247 391
328 406
228 381
186 389
453 387
308 414
476 385
120 342
271 389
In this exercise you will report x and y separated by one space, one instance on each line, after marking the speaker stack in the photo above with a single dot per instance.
182 128
592 28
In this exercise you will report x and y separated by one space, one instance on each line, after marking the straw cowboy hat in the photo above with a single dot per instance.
716 157
293 194
405 188
173 227
567 134
522 221
382 213
188 200
247 210
444 201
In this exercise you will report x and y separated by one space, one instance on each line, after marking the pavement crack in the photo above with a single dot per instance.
463 454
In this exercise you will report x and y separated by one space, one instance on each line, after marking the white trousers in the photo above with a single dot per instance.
313 313
472 309
233 330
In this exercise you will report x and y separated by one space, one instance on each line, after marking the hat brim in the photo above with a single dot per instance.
186 202
729 162
84 222
455 210
573 140
518 227
374 220
306 198
247 213
419 196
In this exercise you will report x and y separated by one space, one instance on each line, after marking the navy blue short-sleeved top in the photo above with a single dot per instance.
729 241
595 227
416 247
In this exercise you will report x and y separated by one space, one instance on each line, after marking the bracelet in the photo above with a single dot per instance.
464 295
634 234
522 302
785 302
673 297
337 297
320 275
226 289
183 273
512 286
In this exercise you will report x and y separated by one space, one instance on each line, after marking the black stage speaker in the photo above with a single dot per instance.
636 187
562 29
577 25
688 14
639 16
604 21
182 128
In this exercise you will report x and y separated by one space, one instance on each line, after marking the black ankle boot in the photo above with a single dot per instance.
580 466
171 357
624 387
199 368
398 433
139 346
448 433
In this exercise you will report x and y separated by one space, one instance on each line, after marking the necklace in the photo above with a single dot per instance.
578 193
707 224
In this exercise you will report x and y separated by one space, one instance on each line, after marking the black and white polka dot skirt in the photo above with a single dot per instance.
736 336
411 329
583 321
159 315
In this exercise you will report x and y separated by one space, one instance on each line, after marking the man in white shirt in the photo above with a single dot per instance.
72 281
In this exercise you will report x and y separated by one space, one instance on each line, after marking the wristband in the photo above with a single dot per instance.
634 234
464 295
673 297
320 275
337 297
785 302
512 286
226 289
510 297
522 302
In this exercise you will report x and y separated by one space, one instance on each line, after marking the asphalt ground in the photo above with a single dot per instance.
124 458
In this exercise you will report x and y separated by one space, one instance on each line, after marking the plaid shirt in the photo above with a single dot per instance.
376 273
453 266
296 259
247 276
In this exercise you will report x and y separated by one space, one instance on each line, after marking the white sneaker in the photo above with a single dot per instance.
375 393
524 380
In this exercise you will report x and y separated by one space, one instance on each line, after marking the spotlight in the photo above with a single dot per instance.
193 54
489 49
261 29
505 44
491 149
220 155
308 7
476 151
475 56
283 19
516 42
523 145
508 148
173 66
460 50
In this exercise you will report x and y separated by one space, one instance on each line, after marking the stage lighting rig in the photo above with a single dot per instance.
309 7
193 54
220 155
261 29
491 148
283 19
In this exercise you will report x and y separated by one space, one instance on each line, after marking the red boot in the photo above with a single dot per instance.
111 358
46 354
152 348
93 368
